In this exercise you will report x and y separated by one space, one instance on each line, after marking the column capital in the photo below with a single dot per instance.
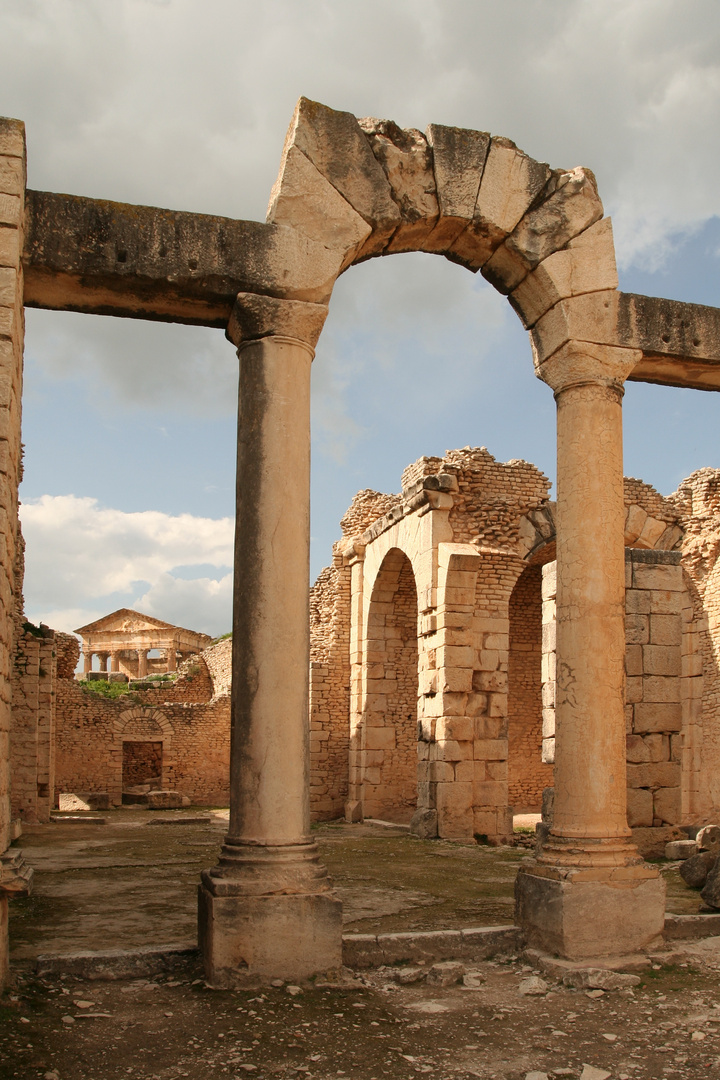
255 317
578 363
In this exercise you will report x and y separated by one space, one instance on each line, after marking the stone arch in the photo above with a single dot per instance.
386 738
133 723
368 187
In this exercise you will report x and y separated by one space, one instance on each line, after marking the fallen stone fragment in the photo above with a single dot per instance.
534 1075
68 1020
609 1036
591 1073
600 979
710 891
680 849
473 980
694 871
533 986
407 975
79 1004
294 990
595 993
708 839
698 1036
446 973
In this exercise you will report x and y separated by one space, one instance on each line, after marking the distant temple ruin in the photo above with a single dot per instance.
123 640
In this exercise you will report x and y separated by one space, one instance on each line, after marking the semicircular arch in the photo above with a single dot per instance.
367 187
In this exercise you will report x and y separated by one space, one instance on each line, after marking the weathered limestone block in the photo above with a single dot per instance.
708 839
406 159
694 871
657 716
572 207
639 807
680 849
510 182
586 264
303 199
189 267
458 161
653 774
336 145
667 805
710 891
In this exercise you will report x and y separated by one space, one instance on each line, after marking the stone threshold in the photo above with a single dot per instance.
374 950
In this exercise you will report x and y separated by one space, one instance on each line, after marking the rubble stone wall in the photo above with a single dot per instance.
195 737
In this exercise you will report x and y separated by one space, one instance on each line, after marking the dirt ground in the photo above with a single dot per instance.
133 883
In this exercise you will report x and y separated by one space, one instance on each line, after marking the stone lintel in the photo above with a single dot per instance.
109 258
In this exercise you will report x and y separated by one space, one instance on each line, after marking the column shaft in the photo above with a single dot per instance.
590 774
269 769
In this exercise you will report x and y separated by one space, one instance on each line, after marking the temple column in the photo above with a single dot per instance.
87 660
267 909
171 658
142 655
114 661
589 893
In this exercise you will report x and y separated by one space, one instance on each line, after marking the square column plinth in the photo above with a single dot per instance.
588 915
245 940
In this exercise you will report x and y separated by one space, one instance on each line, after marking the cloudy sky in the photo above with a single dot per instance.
130 428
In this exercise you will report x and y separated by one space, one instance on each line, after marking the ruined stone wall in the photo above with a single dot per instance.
390 715
12 200
329 690
698 504
528 775
193 727
658 608
655 603
218 660
32 737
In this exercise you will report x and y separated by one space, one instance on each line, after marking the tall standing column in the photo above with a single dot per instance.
142 655
589 893
267 909
87 660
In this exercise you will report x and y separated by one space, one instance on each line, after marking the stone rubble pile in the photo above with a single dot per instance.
700 867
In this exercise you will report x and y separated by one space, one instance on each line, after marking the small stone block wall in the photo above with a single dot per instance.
658 609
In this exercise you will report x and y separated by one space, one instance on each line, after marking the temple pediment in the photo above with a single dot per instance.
126 621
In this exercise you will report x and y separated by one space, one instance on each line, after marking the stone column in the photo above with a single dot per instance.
142 655
114 661
87 660
267 909
171 657
589 894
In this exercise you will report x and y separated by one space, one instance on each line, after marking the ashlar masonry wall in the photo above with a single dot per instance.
12 200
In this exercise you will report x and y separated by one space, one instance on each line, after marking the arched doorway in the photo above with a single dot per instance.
388 730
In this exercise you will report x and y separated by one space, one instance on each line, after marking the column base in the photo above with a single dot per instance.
249 939
268 913
588 915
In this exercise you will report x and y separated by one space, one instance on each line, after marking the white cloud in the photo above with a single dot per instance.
83 560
